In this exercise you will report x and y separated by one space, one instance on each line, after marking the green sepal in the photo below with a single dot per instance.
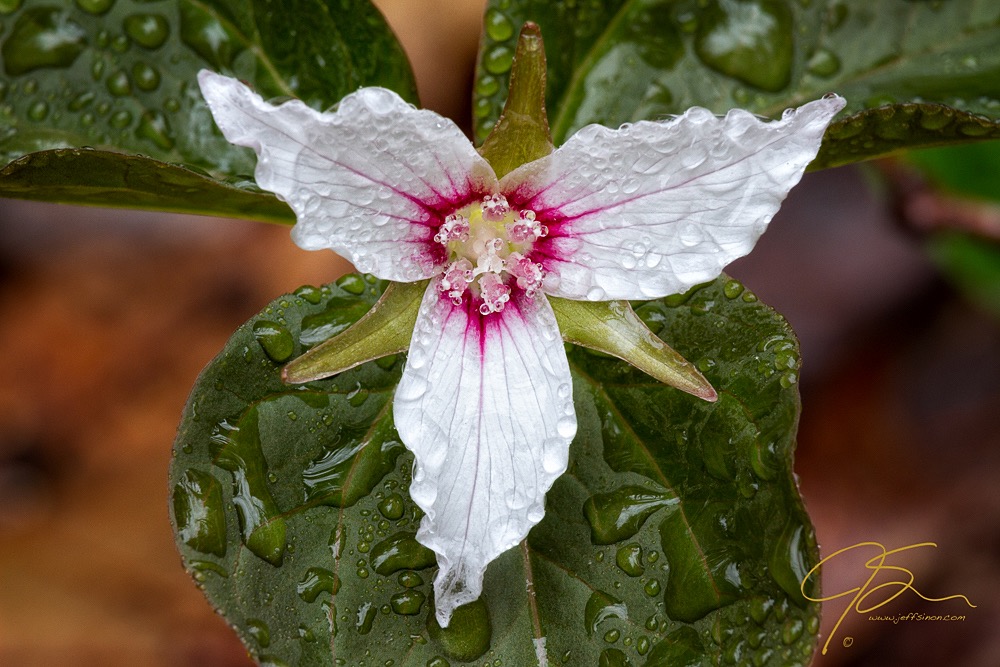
385 329
521 134
613 327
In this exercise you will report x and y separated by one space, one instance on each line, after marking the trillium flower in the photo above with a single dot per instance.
485 402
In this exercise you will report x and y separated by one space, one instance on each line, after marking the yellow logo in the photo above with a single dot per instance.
869 597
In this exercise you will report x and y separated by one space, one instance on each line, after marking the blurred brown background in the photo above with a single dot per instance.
107 317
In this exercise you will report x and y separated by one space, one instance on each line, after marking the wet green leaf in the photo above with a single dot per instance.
914 73
119 76
676 536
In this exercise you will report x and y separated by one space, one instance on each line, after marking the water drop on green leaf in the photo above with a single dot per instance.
629 559
392 506
749 40
468 635
215 42
198 512
824 63
120 119
39 110
601 607
153 127
366 617
118 84
410 579
42 37
259 631
149 31
618 515
498 26
96 7
146 77
316 581
498 60
407 603
275 338
612 657
400 552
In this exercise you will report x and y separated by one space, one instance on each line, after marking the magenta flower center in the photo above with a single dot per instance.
489 248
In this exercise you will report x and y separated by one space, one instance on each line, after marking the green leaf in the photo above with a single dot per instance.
120 77
914 73
677 536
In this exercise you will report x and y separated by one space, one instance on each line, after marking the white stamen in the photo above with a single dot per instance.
493 292
490 261
455 228
495 207
526 228
456 279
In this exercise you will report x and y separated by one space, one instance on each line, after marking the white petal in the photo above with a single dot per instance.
656 207
371 180
485 405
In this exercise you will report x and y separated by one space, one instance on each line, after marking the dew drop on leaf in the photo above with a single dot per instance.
468 635
153 126
42 37
407 603
400 552
149 31
275 338
629 560
316 581
118 84
748 41
146 77
96 7
498 26
259 631
198 512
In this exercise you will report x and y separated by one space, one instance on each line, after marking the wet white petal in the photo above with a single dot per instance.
656 207
485 404
371 181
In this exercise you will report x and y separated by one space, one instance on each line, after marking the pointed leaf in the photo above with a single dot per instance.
707 533
612 327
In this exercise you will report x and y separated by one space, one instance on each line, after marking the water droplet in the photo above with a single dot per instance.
498 27
642 646
311 294
316 581
146 77
149 31
618 515
652 588
787 380
198 511
120 44
96 7
401 552
357 397
407 603
410 579
791 631
732 289
611 636
259 631
498 60
39 110
392 507
42 37
487 86
215 42
438 661
81 101
629 560
352 283
275 338
824 64
237 449
366 617
153 126
118 84
600 608
120 119
749 41
468 635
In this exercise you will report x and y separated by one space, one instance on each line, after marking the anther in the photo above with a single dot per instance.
455 228
526 229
